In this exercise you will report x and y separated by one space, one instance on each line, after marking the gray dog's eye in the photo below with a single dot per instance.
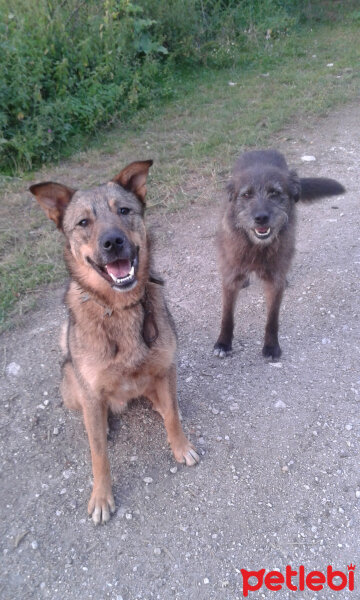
273 193
123 210
246 195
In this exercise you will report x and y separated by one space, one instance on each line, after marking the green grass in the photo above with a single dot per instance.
193 140
69 67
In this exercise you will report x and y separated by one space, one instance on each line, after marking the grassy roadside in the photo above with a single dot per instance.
192 140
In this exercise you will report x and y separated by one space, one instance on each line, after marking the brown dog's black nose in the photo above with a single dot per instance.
112 240
261 218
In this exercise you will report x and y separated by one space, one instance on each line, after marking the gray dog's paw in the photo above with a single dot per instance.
222 350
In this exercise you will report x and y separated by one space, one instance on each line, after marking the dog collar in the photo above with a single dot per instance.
143 300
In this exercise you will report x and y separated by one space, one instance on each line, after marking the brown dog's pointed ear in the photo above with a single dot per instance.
294 185
133 178
53 199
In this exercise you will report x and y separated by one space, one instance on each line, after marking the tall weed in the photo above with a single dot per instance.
68 67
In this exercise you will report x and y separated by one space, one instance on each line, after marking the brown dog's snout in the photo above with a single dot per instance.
113 239
113 244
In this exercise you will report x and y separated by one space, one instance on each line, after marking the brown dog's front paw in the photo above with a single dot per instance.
101 505
186 454
191 457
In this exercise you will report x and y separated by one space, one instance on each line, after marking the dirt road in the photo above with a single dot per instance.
279 480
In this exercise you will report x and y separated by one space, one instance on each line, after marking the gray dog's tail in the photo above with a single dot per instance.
318 187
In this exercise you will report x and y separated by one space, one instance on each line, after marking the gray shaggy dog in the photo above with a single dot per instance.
257 233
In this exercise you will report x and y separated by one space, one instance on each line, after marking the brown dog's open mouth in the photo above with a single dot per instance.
121 273
262 232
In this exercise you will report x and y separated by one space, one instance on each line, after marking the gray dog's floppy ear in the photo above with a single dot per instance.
230 188
294 185
53 199
133 178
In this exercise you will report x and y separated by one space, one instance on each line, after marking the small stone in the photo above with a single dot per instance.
13 369
56 431
173 470
226 437
157 551
66 474
148 480
341 510
128 516
188 379
357 494
215 411
330 64
42 585
285 469
206 580
219 438
280 404
308 158
348 427
277 365
34 545
234 407
63 491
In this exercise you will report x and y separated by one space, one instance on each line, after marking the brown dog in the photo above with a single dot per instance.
119 342
257 233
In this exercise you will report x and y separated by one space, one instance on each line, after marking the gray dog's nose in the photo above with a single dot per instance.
261 218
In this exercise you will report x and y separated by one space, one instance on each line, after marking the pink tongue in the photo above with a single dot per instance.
119 268
262 229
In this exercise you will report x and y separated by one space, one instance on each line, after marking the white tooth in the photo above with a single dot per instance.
127 277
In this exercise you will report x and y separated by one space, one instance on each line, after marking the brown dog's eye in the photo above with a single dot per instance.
124 210
83 223
246 195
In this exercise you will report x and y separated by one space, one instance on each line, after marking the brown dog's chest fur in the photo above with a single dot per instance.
108 350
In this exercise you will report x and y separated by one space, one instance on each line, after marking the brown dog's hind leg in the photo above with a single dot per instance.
230 293
273 293
165 403
101 502
70 390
